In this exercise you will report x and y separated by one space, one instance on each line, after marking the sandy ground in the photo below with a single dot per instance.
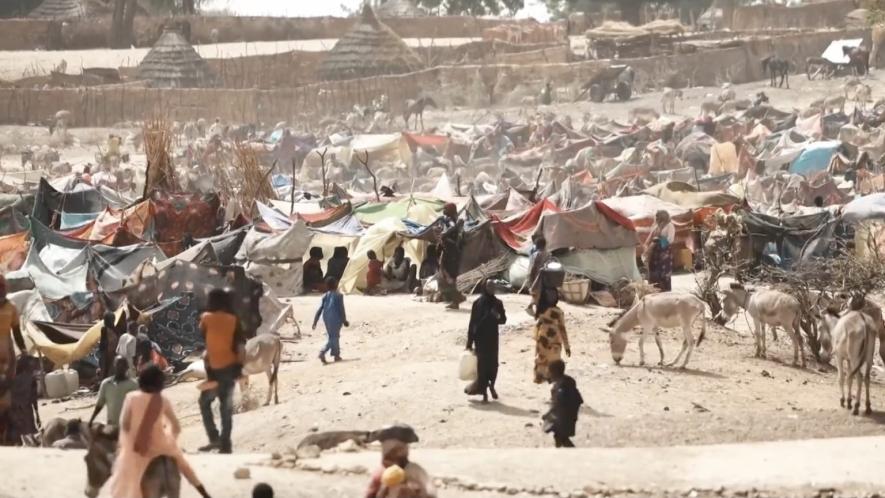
400 365
15 64
798 468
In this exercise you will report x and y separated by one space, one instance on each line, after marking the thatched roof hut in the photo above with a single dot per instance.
173 63
370 48
400 8
59 9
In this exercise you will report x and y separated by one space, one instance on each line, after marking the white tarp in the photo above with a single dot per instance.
866 208
834 53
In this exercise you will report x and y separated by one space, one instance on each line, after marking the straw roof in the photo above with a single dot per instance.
370 48
173 63
400 8
59 9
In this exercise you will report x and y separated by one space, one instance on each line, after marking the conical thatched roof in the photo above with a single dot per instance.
59 9
370 48
173 63
399 8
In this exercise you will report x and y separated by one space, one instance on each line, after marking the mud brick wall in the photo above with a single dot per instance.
812 16
93 33
476 85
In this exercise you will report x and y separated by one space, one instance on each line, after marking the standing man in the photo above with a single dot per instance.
9 332
224 343
113 391
450 259
107 344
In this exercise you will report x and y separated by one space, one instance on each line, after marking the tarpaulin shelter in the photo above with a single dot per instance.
49 203
594 226
867 208
151 285
723 159
176 215
834 53
13 221
383 237
136 221
276 259
407 207
814 158
796 238
641 210
13 251
517 230
687 196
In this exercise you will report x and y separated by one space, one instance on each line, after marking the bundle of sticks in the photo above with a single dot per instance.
253 183
160 171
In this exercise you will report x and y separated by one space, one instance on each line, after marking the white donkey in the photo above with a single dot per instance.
666 310
766 307
854 335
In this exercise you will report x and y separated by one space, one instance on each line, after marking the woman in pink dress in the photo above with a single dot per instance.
148 429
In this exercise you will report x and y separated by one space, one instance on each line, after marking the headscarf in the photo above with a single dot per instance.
548 298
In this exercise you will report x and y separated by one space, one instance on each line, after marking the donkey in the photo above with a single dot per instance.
416 108
855 342
766 307
858 59
667 310
161 478
777 67
668 99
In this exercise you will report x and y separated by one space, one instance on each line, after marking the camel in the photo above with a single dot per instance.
263 354
766 307
666 310
777 67
668 100
161 478
855 341
416 108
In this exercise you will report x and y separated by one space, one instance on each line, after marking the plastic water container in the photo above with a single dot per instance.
72 379
56 384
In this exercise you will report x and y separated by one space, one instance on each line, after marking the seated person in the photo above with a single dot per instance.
74 438
337 263
373 275
313 272
430 265
399 273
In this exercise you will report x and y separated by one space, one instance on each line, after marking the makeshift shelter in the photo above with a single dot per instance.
641 211
793 238
50 204
173 63
594 226
407 207
687 196
814 158
370 48
59 9
276 259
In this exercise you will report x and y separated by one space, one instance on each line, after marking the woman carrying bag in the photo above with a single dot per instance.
482 337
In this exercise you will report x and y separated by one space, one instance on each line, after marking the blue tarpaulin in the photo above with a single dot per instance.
815 158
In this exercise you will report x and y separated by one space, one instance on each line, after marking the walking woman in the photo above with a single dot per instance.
148 429
482 336
658 254
550 334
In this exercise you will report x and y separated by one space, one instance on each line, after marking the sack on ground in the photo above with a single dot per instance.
467 367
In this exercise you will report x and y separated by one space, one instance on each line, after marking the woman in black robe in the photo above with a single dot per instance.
482 338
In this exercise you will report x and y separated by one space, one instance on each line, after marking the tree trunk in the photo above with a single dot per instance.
115 38
631 11
129 22
188 7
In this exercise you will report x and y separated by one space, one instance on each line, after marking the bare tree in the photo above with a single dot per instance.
323 170
365 163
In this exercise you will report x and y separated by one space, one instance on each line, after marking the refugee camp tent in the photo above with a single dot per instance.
687 196
834 53
383 237
641 210
814 158
408 207
594 226
794 239
173 63
13 251
50 205
276 259
370 48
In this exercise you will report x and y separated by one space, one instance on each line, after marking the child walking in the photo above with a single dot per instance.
334 317
565 402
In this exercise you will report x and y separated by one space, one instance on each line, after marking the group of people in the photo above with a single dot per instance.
551 340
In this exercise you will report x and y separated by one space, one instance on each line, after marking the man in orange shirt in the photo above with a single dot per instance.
224 341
